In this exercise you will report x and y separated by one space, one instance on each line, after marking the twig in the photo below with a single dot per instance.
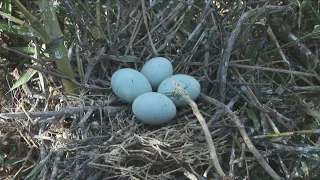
220 112
274 39
285 134
266 109
92 62
57 161
62 112
284 168
299 149
82 123
304 55
252 96
270 69
134 34
232 159
306 88
206 131
40 165
244 135
147 27
224 63
24 163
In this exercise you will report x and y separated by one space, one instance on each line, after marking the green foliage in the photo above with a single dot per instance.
47 30
26 76
16 29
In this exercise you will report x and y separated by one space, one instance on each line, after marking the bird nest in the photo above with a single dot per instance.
93 135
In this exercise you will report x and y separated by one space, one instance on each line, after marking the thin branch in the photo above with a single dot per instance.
144 14
244 135
224 63
206 131
270 69
63 112
286 134
274 39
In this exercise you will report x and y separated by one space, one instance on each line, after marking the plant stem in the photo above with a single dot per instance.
56 46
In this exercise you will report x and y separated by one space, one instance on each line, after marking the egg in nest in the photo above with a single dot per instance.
128 84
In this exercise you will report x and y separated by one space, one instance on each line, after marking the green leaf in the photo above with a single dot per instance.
4 26
7 7
255 120
15 29
124 58
23 79
28 50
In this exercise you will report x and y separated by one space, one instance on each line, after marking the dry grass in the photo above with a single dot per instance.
229 49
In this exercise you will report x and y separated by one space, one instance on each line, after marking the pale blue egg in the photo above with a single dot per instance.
154 108
128 84
186 82
156 70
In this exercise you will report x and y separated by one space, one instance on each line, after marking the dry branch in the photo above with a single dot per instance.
244 135
63 112
300 51
206 131
224 63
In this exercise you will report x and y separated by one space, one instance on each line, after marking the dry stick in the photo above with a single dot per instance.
24 163
270 69
305 88
284 168
242 66
232 159
40 165
147 27
299 50
134 34
244 135
63 112
285 134
220 112
226 53
56 162
274 39
92 62
271 123
266 109
206 131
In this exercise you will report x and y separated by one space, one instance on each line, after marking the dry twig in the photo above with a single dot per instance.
205 129
224 63
244 135
63 112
